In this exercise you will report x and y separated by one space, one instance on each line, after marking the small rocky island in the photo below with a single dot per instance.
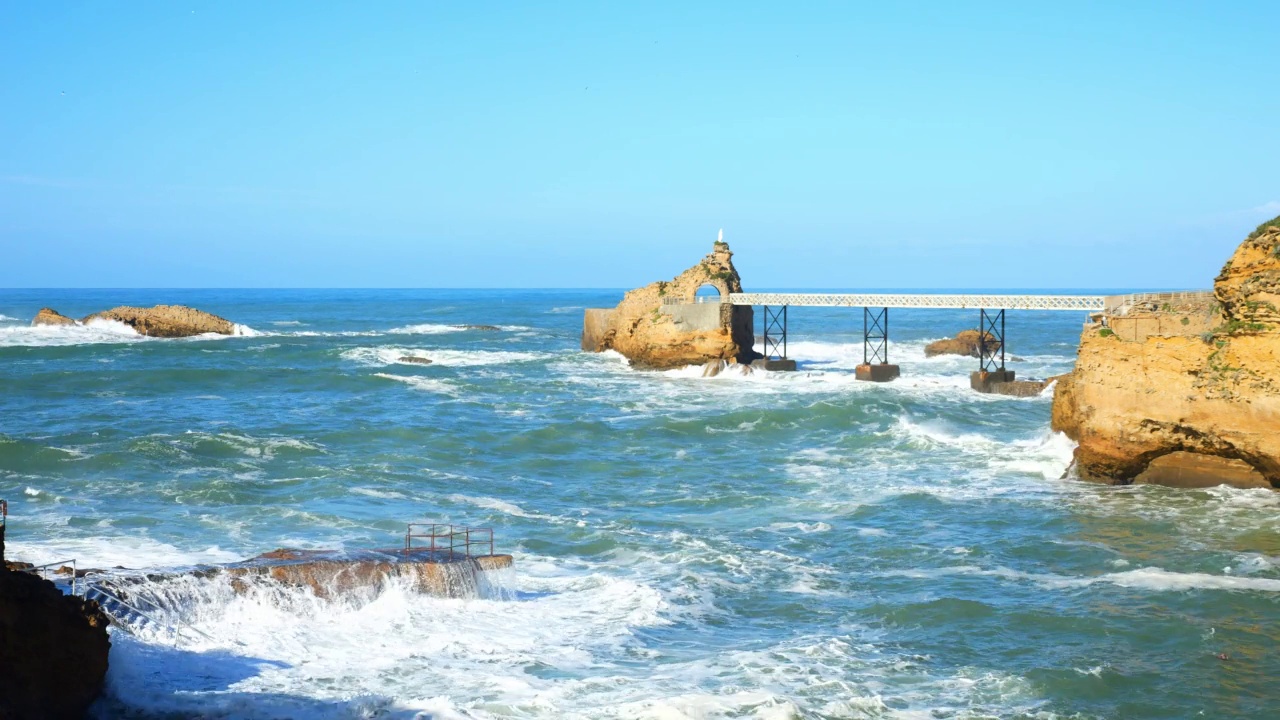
659 326
165 321
1184 390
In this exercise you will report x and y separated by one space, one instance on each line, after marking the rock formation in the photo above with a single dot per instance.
53 649
964 343
167 321
414 359
49 316
661 326
1172 406
327 573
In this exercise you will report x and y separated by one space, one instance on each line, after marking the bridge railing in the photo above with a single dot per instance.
1122 303
937 301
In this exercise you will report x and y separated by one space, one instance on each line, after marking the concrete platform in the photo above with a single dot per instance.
883 372
784 365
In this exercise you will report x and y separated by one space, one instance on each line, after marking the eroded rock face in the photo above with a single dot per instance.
1179 396
53 649
1249 285
964 343
167 321
49 316
657 335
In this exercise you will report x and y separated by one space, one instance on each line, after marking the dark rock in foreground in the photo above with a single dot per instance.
53 649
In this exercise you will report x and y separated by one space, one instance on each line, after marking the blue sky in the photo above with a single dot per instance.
452 144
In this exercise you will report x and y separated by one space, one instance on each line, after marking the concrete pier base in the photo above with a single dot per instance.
1002 382
883 372
783 364
983 381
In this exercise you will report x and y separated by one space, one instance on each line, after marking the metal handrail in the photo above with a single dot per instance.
40 570
458 537
116 599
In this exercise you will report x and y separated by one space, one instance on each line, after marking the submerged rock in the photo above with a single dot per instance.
53 649
660 326
1206 405
414 359
49 316
167 321
966 342
484 328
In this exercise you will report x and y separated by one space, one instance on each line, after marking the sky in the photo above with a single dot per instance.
473 144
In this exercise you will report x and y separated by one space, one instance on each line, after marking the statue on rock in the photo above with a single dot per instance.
662 325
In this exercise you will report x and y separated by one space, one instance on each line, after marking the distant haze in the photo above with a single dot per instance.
194 144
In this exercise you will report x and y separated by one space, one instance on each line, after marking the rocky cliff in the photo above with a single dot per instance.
1179 408
53 649
658 326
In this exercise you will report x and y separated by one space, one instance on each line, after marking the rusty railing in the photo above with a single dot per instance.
453 540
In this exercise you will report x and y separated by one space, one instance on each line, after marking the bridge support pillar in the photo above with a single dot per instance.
875 365
991 377
775 341
990 341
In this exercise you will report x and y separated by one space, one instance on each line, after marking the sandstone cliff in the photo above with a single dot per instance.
658 326
167 321
1175 407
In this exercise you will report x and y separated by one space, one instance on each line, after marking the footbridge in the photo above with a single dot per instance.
875 322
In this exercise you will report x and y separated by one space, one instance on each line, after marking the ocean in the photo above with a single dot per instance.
779 545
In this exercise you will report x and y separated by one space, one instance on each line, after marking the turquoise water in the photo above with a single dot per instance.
773 546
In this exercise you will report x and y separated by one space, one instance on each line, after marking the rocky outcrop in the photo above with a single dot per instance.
167 321
53 649
659 326
328 573
966 342
1168 407
414 360
49 316
1248 287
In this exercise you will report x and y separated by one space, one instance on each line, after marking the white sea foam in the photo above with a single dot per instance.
417 382
6 318
132 551
1148 578
425 329
94 332
382 356
254 447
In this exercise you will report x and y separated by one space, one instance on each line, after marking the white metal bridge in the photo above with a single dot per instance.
1094 303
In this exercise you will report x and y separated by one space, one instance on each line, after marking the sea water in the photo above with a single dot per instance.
776 545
